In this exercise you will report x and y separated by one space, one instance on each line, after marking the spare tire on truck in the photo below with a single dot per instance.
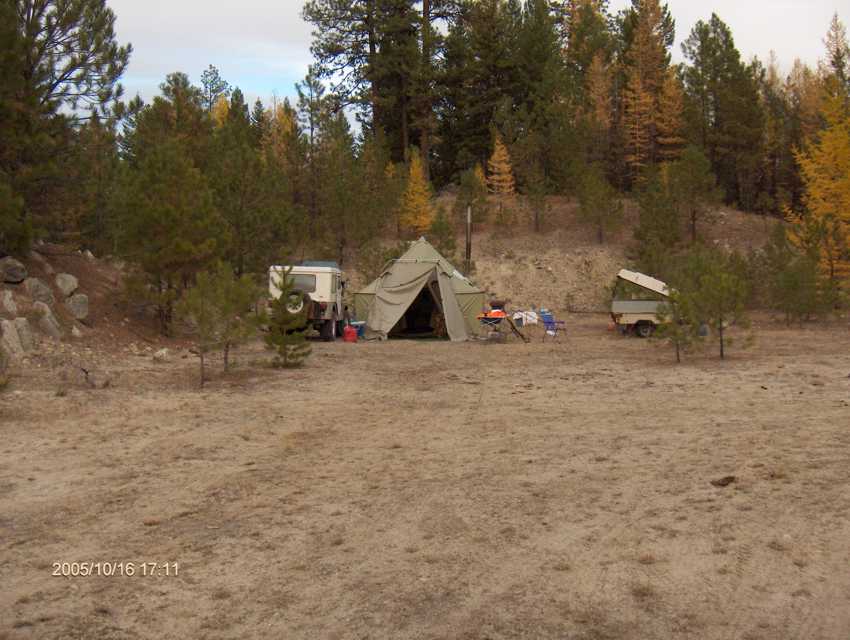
297 302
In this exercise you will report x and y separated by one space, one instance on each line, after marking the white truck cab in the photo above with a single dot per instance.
317 286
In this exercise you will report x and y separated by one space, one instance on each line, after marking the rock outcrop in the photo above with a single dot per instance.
12 271
47 321
39 292
10 340
78 305
7 303
67 284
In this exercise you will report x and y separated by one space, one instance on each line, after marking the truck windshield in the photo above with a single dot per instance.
305 282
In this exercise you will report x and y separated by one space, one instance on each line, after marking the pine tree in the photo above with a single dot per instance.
169 225
417 207
441 234
286 327
472 193
250 194
217 311
711 282
599 204
725 112
600 107
693 188
678 324
215 88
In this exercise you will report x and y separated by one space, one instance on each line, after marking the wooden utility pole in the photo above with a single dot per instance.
468 239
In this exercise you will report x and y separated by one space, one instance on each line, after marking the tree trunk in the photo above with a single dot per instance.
693 226
720 334
425 133
226 356
203 373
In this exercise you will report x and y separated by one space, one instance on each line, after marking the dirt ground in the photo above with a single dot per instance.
432 490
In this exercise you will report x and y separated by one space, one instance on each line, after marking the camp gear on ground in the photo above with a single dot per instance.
404 296
349 334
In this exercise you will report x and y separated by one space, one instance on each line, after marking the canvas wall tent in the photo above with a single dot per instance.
419 278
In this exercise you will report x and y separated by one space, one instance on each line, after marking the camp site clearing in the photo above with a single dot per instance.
431 489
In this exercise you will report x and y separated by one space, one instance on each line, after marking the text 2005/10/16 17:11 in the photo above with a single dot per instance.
115 569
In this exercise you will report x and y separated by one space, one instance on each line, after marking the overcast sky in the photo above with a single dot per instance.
263 46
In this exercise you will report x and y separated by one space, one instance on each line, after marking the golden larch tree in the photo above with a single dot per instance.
220 111
417 207
500 180
824 227
638 126
669 125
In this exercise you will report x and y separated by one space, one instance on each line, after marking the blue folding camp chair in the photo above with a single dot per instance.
551 326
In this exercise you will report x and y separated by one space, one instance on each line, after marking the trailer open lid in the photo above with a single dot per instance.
645 281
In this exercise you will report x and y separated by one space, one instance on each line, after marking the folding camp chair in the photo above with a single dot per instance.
551 326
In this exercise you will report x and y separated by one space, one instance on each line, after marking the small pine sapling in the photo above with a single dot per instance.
287 327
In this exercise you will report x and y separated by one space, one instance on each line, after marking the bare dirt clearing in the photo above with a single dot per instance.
431 490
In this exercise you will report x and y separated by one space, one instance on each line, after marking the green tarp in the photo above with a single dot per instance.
383 303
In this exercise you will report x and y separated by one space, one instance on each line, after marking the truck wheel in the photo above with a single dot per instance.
644 329
329 330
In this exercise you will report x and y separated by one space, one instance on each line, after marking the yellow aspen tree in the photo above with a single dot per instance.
669 124
638 119
219 112
417 208
824 226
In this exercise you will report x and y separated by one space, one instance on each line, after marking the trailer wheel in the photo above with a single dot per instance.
644 329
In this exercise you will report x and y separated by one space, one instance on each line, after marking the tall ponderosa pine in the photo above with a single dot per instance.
214 87
724 110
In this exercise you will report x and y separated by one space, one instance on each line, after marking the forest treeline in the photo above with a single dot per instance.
536 97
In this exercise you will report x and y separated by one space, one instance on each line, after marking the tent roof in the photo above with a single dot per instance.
645 281
422 251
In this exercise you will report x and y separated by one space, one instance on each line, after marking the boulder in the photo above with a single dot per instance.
25 334
67 284
78 305
161 356
76 333
47 321
10 340
39 291
7 303
12 271
88 255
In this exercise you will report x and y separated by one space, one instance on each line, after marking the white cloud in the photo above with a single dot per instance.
263 46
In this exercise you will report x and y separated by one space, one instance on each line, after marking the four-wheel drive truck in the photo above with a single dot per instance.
317 287
637 300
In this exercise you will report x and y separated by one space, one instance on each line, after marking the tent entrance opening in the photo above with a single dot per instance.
423 318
